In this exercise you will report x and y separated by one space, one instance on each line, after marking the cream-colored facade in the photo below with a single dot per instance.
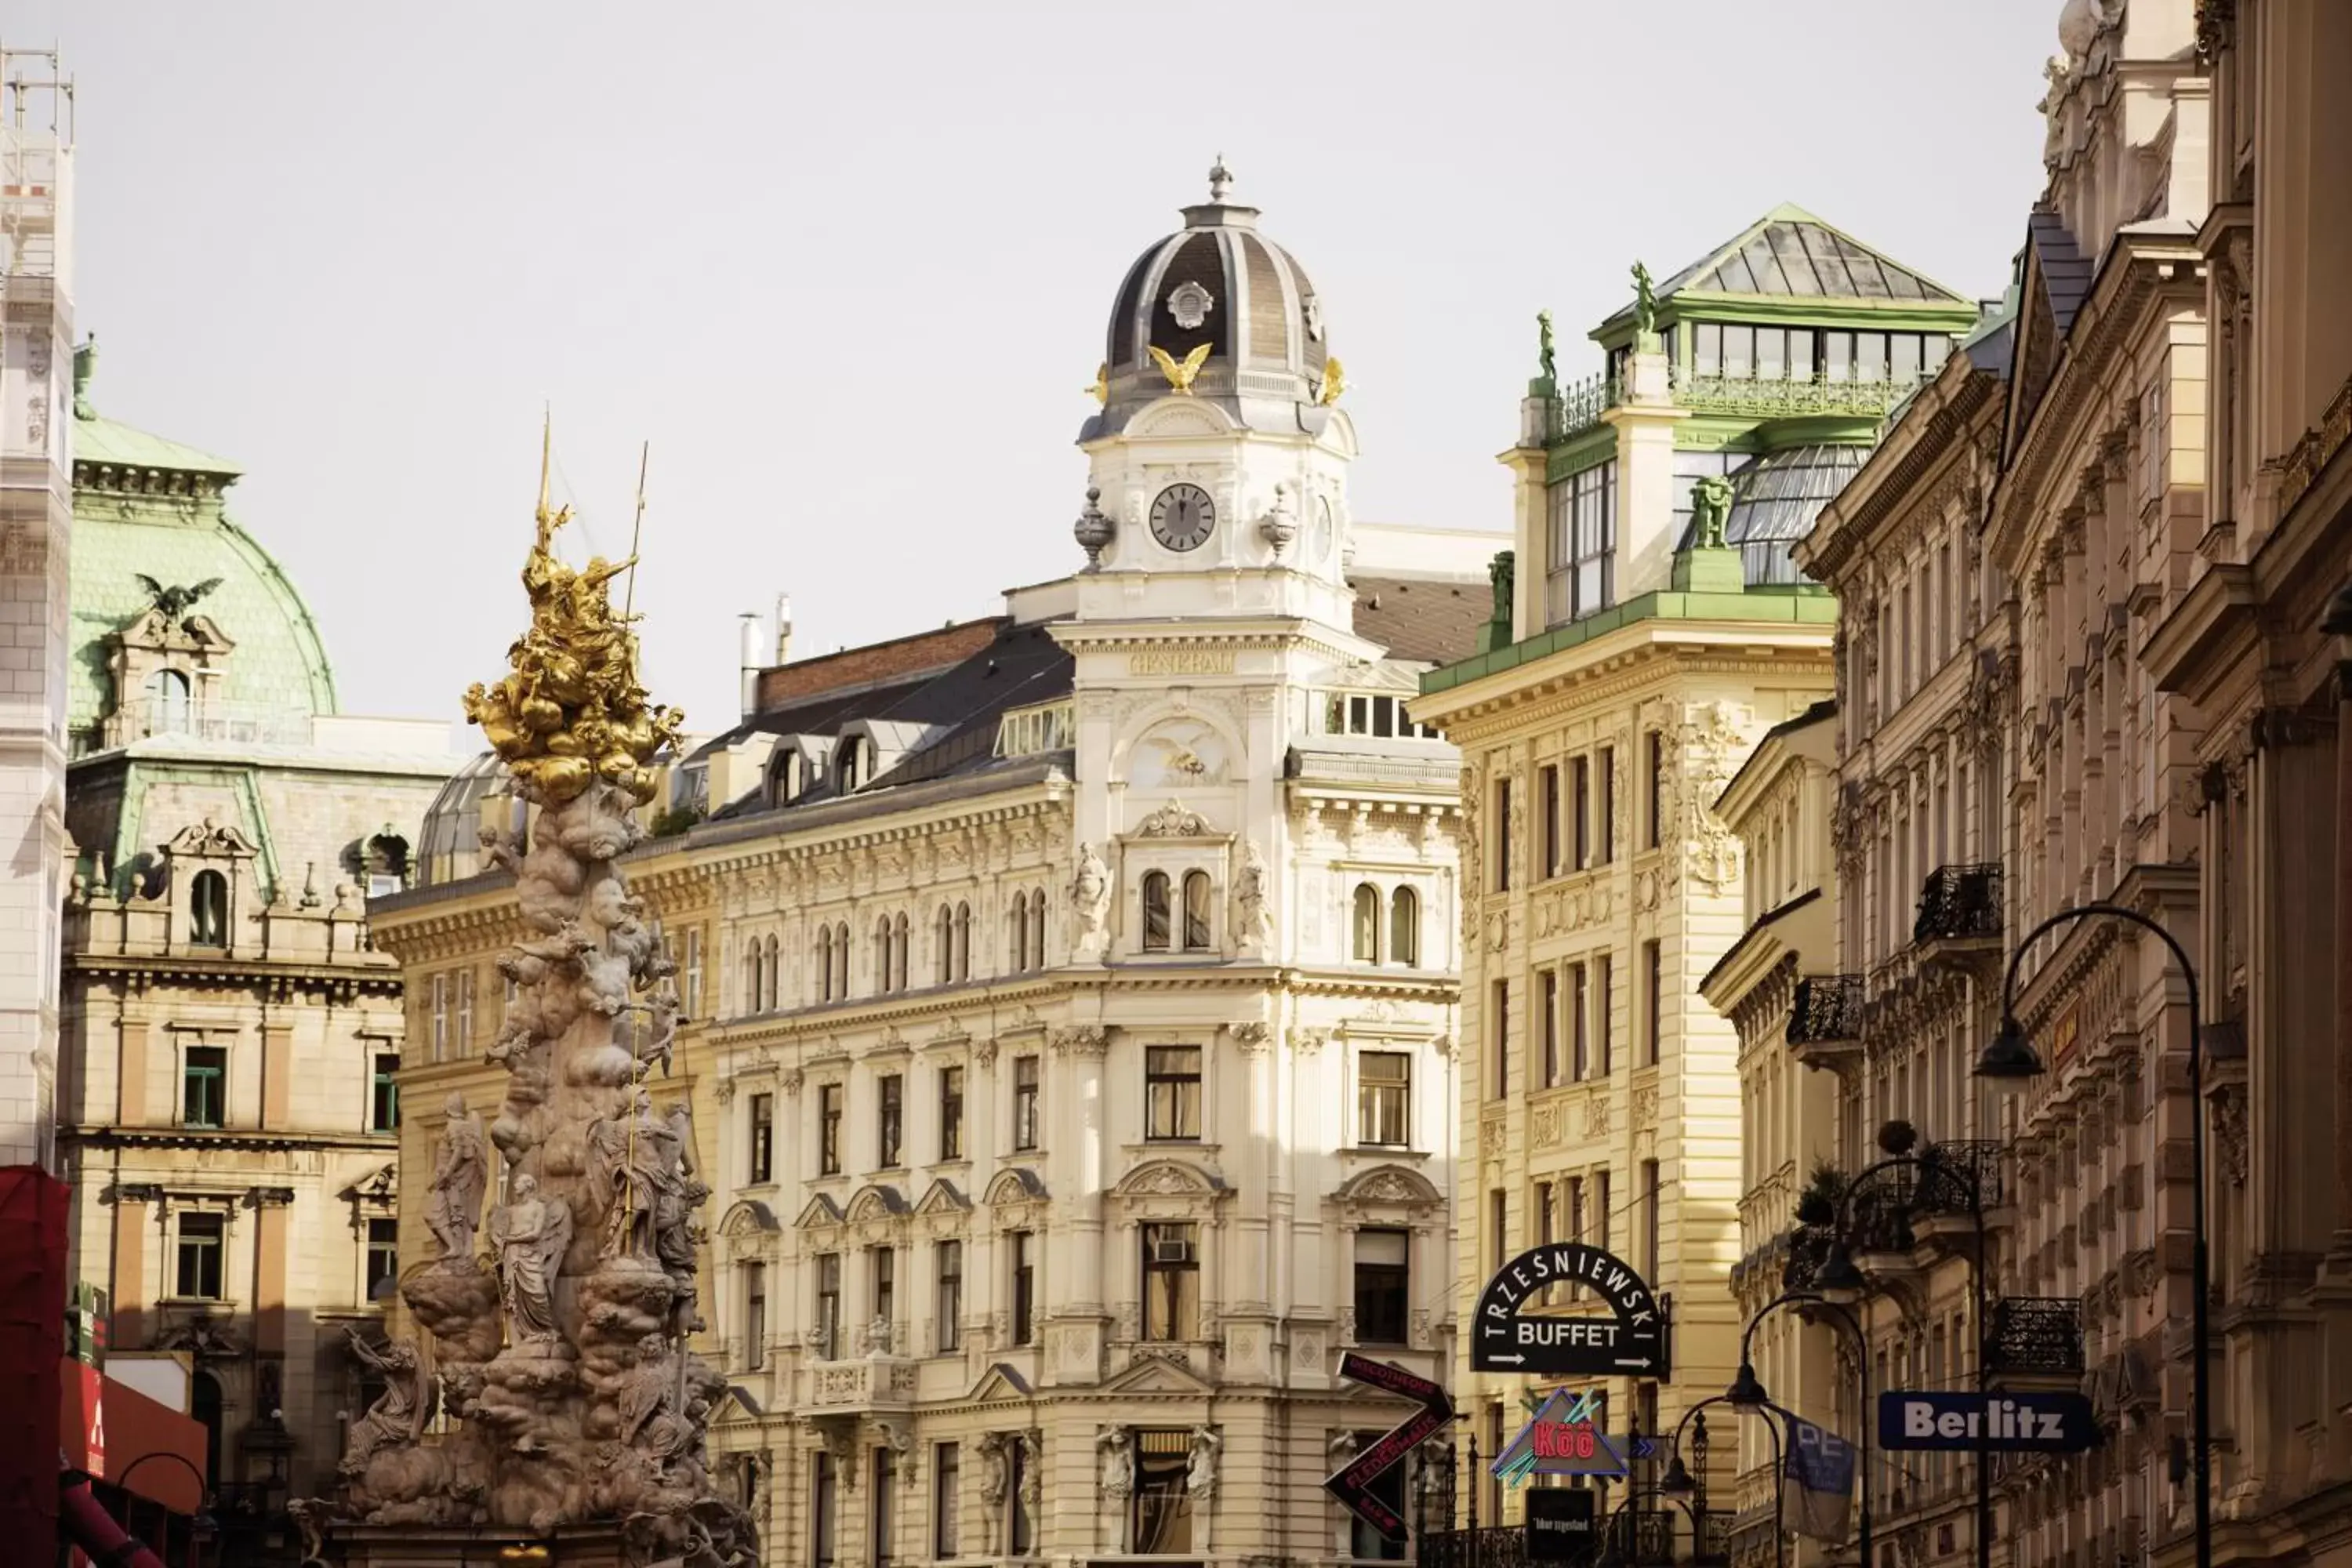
230 1039
1077 1072
1778 980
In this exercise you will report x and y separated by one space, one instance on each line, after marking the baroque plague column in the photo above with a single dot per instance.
561 1357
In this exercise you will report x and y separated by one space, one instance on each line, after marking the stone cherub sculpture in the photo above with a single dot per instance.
461 1175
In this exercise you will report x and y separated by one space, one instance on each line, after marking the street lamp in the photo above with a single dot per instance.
1747 1394
1698 1444
2011 1056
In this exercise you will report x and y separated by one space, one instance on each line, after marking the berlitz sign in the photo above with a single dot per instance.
2003 1423
1631 1341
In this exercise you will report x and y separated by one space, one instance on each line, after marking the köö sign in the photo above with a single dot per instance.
1631 1341
2003 1423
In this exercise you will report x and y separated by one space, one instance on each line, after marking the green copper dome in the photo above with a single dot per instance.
148 507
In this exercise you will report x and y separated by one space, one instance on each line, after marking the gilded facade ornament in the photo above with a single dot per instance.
1335 381
1181 372
1100 390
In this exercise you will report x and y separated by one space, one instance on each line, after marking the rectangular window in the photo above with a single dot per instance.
1654 1002
1604 1015
755 1315
828 1129
1498 1209
885 1504
1172 1282
1604 824
1837 356
203 1236
1707 348
1025 1289
828 1305
1164 1501
951 1302
465 1014
1600 1209
1502 1036
1545 1233
890 1120
1502 882
1800 353
1547 792
204 1086
1592 539
1547 994
1581 802
1384 1098
1650 1244
951 1113
1025 1103
692 1000
882 1272
822 1503
946 1492
1738 354
1171 1091
384 1093
1870 356
440 1012
1655 825
1382 1286
763 1140
1579 1021
1574 1203
383 1256
1903 362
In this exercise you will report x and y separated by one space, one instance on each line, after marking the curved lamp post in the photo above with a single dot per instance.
1838 1273
2011 1056
1747 1394
1610 1556
203 1528
1679 1481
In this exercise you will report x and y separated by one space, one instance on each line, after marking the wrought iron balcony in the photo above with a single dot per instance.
1826 1019
2036 1337
1960 903
1962 1167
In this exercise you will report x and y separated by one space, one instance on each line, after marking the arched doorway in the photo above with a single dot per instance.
204 1404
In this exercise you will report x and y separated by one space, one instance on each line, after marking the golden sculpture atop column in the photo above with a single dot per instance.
570 708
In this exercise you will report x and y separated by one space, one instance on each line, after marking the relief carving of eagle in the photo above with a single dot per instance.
175 602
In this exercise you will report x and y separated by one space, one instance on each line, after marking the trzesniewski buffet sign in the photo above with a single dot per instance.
1630 1341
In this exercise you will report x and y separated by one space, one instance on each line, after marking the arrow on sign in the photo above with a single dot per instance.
1353 1485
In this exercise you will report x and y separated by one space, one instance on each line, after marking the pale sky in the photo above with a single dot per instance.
848 266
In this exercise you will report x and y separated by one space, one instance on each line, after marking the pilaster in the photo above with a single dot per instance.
1645 421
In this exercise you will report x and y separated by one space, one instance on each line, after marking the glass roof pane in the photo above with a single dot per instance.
1827 261
1869 283
1733 276
1770 279
1789 249
1777 500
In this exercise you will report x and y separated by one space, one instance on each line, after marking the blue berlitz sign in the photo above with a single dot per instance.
2009 1421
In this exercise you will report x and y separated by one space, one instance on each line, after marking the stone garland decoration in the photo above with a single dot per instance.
559 1351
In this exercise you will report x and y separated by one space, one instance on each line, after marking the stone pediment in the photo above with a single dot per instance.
737 1407
153 630
999 1381
878 1201
1158 1375
208 840
821 1212
943 1199
1175 820
1168 1178
1016 1185
749 1217
1397 1184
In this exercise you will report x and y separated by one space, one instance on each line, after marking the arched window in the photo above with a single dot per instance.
788 779
1365 944
168 708
898 956
1155 911
1404 928
209 909
943 962
882 954
963 941
1196 911
387 864
856 763
775 974
825 963
1037 928
841 961
1017 939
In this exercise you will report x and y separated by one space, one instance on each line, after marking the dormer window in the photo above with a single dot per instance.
856 767
787 779
170 703
387 864
209 909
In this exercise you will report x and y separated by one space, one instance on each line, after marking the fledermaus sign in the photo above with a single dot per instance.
2010 1423
1631 1341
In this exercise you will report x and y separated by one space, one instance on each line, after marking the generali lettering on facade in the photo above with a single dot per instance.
1181 661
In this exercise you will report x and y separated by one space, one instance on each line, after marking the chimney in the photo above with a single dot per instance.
750 668
783 629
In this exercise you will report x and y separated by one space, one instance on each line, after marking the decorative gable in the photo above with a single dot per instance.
1158 1375
821 1214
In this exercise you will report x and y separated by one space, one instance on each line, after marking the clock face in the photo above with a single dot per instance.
1321 538
1183 516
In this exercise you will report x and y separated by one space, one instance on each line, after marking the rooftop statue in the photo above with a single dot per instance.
1645 302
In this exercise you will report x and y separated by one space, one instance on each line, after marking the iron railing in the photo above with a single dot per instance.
1959 901
1489 1546
1827 1008
1959 1167
2040 1335
1577 407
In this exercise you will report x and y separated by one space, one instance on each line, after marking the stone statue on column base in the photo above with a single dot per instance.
461 1175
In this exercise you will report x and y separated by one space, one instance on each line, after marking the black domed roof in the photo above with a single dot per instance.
1218 284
